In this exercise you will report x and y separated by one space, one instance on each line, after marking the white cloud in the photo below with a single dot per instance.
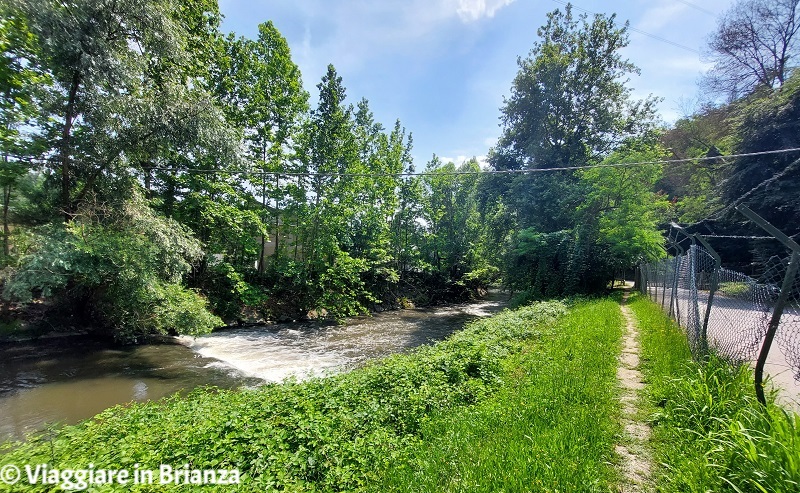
472 10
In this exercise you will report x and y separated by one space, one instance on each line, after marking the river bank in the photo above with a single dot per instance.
351 430
68 379
501 405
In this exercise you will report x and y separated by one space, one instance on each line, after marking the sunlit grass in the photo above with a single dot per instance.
523 401
710 433
551 427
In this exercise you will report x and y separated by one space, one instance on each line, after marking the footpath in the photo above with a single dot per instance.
635 460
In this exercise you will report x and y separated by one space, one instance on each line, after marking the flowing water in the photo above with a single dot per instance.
68 380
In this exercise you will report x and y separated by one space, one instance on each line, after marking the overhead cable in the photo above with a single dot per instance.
645 33
482 172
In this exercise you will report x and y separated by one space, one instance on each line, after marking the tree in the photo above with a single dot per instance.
19 78
768 184
121 92
623 207
262 93
569 106
120 266
694 185
451 212
754 46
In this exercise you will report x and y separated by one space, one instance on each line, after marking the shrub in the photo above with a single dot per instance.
120 270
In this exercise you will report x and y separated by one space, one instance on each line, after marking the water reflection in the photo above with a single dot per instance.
70 380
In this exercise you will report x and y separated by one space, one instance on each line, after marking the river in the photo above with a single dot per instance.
70 379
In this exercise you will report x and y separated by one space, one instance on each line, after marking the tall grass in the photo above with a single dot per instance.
710 433
551 427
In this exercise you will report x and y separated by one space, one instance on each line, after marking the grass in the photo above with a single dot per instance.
709 432
532 434
734 288
522 401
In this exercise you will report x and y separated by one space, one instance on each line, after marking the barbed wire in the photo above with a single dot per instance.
743 237
716 215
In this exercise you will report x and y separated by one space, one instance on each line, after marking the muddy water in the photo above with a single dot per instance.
68 380
275 352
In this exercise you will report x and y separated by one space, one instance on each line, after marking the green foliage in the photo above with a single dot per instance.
531 433
569 106
568 232
119 98
767 122
122 268
331 434
455 233
622 203
710 433
694 186
537 262
340 289
483 276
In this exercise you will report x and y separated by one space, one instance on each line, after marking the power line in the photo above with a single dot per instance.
716 215
645 33
483 172
695 6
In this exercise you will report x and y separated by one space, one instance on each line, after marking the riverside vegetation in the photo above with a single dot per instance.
172 178
524 401
147 159
498 405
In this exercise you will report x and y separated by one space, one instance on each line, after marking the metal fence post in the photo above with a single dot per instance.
786 286
712 289
680 230
674 309
678 255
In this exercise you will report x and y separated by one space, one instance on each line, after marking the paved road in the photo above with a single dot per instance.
736 329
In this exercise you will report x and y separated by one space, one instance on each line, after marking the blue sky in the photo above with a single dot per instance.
443 66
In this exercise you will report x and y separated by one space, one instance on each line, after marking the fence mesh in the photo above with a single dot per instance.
726 311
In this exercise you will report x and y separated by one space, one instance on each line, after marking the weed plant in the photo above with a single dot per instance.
710 433
541 389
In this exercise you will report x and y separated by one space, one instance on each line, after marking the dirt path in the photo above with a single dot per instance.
635 462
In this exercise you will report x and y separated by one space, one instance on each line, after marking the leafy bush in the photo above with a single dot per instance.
482 276
340 288
119 269
328 434
228 291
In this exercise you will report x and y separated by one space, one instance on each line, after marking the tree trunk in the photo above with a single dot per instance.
6 229
262 256
277 220
66 135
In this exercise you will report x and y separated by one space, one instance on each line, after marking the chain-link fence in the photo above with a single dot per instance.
739 317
